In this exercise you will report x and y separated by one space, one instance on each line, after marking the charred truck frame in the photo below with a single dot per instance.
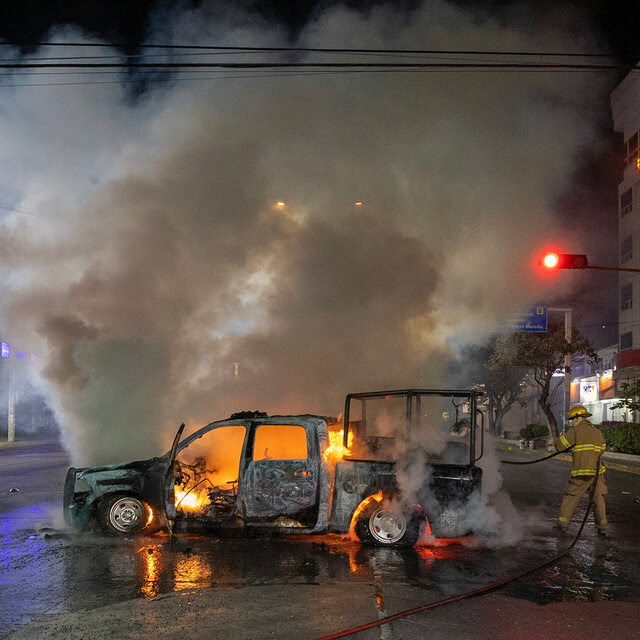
397 462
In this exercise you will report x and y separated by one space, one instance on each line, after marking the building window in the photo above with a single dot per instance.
632 150
626 297
626 202
626 341
626 249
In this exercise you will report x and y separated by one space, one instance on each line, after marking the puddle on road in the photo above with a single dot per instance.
113 569
594 570
158 565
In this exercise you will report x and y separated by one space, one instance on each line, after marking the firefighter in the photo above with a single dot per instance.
588 445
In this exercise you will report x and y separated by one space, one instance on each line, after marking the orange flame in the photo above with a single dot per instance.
376 497
336 449
192 500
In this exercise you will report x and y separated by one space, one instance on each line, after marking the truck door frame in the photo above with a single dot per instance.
303 474
471 394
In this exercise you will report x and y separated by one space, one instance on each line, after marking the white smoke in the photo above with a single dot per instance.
491 515
158 265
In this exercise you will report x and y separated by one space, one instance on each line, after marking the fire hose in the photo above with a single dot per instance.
490 587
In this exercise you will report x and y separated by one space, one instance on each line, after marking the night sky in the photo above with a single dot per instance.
127 23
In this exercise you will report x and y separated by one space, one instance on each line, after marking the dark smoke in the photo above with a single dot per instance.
159 265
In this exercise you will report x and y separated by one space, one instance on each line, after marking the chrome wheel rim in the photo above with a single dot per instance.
387 526
126 514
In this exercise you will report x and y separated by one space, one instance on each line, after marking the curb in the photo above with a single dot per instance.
613 460
26 444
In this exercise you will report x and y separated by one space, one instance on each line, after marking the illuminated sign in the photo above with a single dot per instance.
588 392
5 352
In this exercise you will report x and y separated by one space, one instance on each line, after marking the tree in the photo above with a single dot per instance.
630 396
543 354
502 386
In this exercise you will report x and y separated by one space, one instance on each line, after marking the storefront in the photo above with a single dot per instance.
597 393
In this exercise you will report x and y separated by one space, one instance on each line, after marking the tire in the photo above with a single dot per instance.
386 526
123 515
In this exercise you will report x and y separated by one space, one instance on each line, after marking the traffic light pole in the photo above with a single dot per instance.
590 266
575 261
567 363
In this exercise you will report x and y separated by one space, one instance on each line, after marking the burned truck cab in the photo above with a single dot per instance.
252 470
412 464
249 470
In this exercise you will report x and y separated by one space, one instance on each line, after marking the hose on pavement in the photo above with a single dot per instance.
482 590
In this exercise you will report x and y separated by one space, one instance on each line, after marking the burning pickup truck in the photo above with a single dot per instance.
396 462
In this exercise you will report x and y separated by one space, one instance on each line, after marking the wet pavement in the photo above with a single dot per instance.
57 584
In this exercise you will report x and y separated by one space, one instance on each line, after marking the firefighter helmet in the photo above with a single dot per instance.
578 412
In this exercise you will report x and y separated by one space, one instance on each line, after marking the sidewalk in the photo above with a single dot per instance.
620 461
27 444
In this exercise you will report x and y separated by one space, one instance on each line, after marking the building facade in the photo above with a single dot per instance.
625 108
598 388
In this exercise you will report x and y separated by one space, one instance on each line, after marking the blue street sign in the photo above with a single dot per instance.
5 352
533 319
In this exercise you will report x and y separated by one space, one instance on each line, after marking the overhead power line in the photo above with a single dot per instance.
326 49
311 65
19 209
423 60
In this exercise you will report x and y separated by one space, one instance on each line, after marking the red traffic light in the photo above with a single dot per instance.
565 261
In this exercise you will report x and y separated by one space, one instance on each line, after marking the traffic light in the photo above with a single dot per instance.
565 261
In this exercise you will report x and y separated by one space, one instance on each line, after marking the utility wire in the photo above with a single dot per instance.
325 49
96 64
397 53
19 209
306 65
259 74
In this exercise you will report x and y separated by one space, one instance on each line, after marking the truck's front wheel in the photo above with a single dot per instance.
123 514
387 525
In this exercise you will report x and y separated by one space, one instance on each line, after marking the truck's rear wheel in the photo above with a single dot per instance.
387 525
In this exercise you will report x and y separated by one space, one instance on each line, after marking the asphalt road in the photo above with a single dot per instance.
56 584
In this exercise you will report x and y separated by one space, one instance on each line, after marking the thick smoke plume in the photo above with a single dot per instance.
161 282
